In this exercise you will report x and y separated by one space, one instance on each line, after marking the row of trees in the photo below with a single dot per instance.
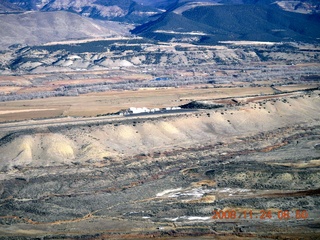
75 90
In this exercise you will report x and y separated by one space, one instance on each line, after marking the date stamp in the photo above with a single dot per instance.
262 214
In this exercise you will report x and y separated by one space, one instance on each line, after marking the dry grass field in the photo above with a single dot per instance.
109 102
296 87
93 104
29 84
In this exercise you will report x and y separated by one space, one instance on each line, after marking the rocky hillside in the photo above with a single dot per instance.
32 28
7 7
299 6
210 24
118 10
126 52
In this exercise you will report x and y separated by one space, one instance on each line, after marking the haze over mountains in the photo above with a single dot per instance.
200 22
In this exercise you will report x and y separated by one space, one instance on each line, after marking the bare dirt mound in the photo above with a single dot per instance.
38 150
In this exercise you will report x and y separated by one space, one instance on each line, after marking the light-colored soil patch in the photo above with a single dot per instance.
297 87
202 183
24 84
249 43
16 80
37 89
308 164
25 110
39 150
9 89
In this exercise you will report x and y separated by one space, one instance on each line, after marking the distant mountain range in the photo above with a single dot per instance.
116 10
33 28
210 23
7 7
140 10
197 21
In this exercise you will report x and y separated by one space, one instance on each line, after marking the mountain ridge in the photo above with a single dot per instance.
200 22
7 7
117 10
41 27
233 23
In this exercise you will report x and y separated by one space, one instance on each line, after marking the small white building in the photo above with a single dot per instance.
134 110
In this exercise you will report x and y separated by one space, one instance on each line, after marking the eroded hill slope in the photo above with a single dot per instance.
53 146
